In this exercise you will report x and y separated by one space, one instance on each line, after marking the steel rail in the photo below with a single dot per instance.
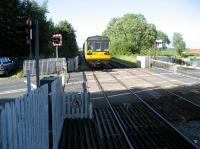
185 99
115 115
155 112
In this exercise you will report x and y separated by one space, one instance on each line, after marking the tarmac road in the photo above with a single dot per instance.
11 89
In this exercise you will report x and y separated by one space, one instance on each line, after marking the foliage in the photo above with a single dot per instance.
127 58
162 36
69 48
20 74
164 52
179 43
130 34
8 29
148 52
191 55
13 29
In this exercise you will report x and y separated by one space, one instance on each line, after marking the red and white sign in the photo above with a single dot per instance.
57 40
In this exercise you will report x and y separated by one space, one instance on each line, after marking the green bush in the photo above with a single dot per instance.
148 52
123 48
20 74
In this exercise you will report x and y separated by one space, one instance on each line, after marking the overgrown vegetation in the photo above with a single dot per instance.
127 58
179 43
20 74
14 32
131 34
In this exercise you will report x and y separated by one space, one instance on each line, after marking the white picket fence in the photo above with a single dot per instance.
72 64
24 122
77 105
47 66
57 96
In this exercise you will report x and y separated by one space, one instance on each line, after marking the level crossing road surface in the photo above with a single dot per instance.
165 91
12 88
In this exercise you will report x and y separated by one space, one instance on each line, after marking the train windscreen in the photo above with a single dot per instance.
98 45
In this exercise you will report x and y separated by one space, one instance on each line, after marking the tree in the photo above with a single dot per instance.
13 29
179 43
69 48
13 16
162 36
130 34
9 11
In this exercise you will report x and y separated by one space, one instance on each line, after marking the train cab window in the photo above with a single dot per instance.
104 46
97 46
90 46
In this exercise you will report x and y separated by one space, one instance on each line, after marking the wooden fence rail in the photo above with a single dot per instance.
57 106
24 122
47 66
77 105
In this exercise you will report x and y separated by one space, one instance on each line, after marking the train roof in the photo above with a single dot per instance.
97 38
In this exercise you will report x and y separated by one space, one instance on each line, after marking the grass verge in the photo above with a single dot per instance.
131 59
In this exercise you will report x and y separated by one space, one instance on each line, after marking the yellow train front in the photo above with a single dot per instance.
97 51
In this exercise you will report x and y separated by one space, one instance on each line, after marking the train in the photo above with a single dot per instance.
96 51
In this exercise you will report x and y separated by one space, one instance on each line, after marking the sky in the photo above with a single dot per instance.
90 17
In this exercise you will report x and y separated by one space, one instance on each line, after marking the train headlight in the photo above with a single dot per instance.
106 53
89 53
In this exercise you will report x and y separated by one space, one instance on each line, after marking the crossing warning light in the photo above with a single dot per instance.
57 40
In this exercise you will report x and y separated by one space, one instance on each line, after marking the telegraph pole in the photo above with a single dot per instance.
37 53
30 43
29 25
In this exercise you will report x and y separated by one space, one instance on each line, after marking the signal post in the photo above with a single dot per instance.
57 42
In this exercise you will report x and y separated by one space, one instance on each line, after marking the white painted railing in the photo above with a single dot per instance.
78 105
72 64
173 67
24 122
47 66
57 106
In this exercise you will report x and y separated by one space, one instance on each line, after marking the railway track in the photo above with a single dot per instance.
126 125
138 127
80 134
117 64
184 89
114 113
170 105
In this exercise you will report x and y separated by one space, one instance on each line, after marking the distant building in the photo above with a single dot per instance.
195 50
